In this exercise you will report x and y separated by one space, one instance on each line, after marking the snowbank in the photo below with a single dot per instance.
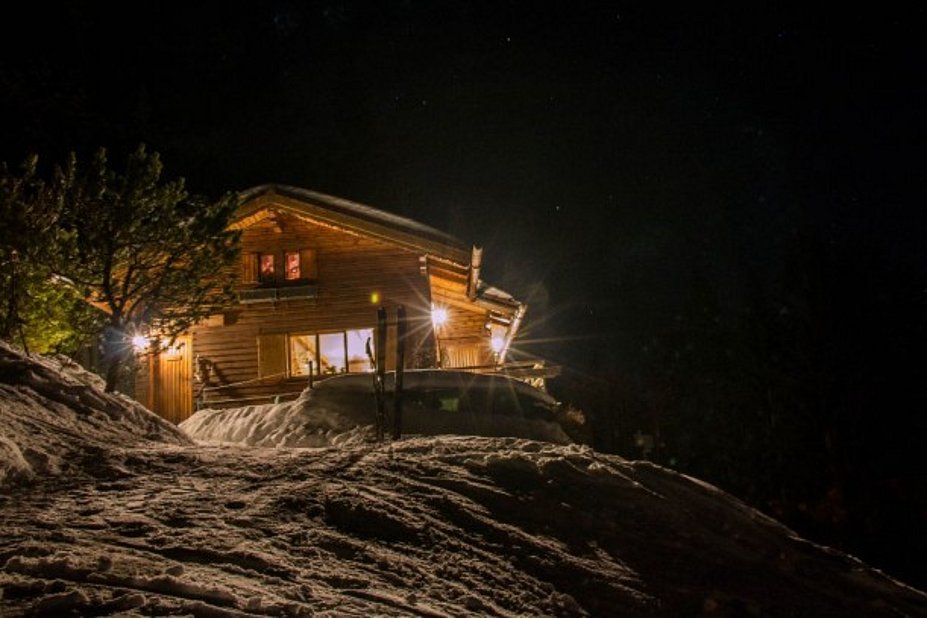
54 417
431 526
342 409
124 516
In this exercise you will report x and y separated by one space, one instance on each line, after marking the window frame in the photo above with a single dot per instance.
271 275
317 342
298 254
279 273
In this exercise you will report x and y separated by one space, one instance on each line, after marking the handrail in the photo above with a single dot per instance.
273 397
258 379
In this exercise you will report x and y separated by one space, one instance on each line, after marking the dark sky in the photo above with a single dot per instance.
605 154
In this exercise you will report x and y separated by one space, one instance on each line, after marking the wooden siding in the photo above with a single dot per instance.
463 340
272 356
350 269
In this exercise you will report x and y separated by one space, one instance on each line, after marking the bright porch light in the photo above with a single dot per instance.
140 343
497 343
439 316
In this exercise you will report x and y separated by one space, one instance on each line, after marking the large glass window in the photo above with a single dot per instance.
358 361
330 353
303 355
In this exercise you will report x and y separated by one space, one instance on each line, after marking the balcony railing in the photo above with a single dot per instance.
266 295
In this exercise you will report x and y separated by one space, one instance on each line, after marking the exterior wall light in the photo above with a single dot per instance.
140 343
439 316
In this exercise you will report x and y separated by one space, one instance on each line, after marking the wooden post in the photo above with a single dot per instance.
401 327
380 375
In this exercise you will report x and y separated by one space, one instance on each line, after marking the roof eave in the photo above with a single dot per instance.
336 212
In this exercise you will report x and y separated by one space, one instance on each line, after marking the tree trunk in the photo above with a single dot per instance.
115 352
112 374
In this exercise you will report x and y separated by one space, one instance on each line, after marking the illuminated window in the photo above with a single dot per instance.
266 262
291 259
330 353
358 361
303 355
278 267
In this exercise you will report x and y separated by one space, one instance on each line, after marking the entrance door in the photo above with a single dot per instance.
175 381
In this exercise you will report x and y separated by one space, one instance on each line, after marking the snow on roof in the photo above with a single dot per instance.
356 210
342 410
493 293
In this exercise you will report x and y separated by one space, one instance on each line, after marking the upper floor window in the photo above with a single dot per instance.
267 266
271 266
292 261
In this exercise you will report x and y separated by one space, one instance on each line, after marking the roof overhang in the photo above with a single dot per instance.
261 202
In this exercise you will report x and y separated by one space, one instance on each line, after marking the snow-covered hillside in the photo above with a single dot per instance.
55 418
127 517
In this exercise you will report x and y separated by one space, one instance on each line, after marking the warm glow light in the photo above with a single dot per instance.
374 298
497 343
439 316
140 343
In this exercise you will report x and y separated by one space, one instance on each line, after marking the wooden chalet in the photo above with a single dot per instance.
314 270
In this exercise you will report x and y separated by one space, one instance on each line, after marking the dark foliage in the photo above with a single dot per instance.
153 257
150 256
40 312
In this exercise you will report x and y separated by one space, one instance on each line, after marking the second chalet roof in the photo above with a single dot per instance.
355 216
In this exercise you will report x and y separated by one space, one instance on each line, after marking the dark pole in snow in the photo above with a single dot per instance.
380 376
401 327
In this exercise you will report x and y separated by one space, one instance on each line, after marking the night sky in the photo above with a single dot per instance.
602 153
715 214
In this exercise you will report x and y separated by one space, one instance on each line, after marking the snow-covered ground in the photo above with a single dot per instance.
55 417
342 410
104 509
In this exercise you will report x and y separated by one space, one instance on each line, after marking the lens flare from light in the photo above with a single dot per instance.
140 343
497 343
439 316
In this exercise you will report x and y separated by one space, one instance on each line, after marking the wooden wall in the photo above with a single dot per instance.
351 269
463 341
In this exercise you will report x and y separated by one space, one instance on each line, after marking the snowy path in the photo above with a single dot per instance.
106 509
273 532
425 527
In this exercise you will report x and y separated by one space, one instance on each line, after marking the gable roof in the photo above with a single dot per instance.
351 216
258 203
